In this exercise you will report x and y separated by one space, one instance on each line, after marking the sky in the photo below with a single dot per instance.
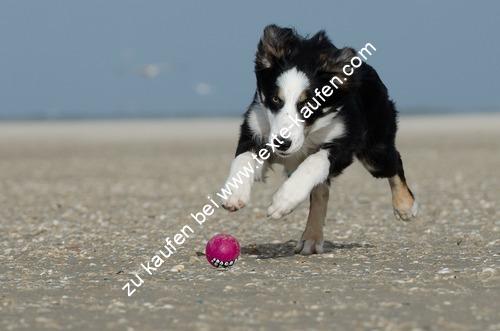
120 58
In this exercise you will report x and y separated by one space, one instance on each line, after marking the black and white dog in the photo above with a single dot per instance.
333 109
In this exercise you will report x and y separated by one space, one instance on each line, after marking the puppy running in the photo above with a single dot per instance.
316 107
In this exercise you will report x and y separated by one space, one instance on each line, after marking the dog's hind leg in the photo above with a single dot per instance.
384 161
403 200
312 238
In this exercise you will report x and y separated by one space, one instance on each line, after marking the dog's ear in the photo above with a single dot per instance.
321 40
333 62
275 44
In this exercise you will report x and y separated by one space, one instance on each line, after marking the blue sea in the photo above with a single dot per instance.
108 115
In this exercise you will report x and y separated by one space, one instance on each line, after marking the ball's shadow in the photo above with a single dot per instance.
271 251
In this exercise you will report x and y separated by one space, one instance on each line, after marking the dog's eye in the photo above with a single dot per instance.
276 100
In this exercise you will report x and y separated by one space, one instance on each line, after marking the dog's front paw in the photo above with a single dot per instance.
233 204
284 202
309 246
238 199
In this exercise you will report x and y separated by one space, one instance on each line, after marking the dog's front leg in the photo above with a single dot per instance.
313 171
238 185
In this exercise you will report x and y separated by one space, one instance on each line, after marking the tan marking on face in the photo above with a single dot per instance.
303 96
281 95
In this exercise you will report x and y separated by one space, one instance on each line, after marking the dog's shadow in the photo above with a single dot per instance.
272 251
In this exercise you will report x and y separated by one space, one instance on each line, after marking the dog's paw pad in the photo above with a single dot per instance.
233 205
309 246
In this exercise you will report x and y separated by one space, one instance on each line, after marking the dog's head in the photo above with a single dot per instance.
291 72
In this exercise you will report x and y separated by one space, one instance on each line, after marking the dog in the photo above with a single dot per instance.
314 110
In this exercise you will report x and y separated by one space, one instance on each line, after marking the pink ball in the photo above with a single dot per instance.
222 250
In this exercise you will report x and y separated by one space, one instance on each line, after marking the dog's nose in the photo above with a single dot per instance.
284 146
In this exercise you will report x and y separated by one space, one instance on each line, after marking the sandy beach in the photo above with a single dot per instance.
85 203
